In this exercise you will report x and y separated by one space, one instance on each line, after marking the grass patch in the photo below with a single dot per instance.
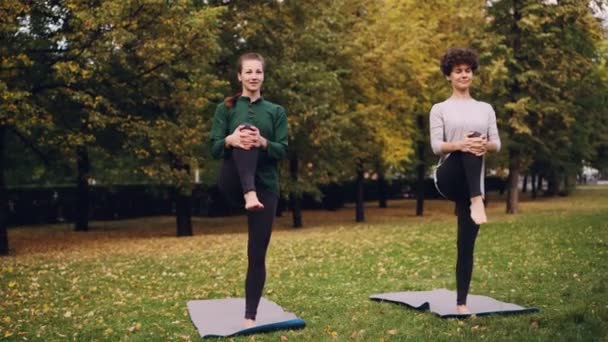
130 280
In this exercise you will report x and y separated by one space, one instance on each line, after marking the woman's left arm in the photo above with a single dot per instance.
277 148
493 144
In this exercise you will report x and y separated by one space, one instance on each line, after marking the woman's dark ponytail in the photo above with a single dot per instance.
230 101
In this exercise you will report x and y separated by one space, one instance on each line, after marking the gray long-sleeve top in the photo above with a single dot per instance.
451 119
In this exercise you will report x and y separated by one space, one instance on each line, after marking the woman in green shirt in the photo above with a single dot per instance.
250 134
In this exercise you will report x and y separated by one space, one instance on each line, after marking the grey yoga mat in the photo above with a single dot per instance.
442 302
225 317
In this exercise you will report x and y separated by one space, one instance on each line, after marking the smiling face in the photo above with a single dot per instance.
461 77
251 75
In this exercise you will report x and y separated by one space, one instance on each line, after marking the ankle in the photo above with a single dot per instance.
249 323
250 194
476 199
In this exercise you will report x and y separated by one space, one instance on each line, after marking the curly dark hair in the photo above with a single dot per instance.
457 56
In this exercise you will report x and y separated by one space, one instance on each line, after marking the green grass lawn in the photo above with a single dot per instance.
130 280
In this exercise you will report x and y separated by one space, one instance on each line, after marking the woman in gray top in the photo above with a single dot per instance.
462 131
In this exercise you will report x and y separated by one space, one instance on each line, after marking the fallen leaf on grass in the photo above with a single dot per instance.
134 328
357 334
535 324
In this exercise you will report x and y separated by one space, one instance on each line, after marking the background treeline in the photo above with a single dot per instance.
121 92
55 204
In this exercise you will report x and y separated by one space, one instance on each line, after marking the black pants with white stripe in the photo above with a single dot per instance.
458 179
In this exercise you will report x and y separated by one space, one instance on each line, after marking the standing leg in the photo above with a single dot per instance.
459 179
467 233
260 229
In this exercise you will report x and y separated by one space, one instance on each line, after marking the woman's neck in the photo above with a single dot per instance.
253 96
461 94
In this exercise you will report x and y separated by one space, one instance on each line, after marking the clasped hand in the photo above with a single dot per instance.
246 137
474 145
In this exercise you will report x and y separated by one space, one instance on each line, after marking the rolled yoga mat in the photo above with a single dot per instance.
442 302
225 317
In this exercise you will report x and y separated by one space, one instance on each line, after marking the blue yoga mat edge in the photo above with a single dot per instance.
286 325
490 313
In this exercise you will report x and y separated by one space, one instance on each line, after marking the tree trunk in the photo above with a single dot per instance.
533 184
420 169
295 198
566 189
183 213
280 207
524 187
183 202
513 191
360 210
382 196
81 222
515 91
552 184
539 183
3 197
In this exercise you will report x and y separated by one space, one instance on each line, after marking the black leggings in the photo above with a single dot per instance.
458 179
237 177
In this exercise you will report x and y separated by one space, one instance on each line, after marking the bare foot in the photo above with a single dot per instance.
463 310
249 323
478 211
252 203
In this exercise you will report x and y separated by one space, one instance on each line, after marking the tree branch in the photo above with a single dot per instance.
30 145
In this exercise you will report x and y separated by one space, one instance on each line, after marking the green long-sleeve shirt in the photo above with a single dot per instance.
270 119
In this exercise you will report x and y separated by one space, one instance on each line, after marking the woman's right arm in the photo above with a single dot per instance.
218 132
437 128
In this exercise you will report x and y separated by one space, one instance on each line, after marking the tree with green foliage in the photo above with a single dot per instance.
19 117
172 84
546 50
396 77
593 94
122 74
